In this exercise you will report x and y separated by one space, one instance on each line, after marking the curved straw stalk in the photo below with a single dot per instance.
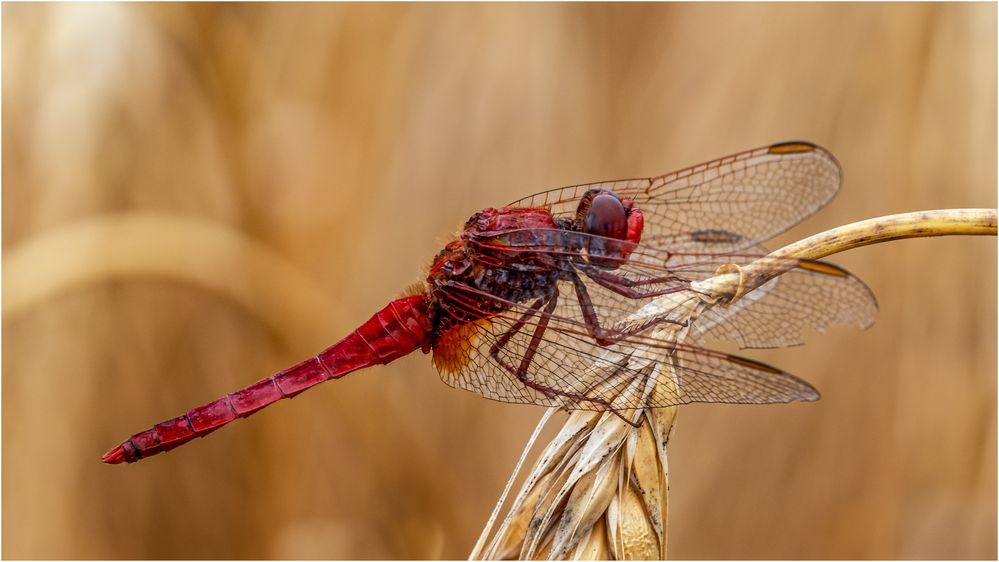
144 244
599 489
732 284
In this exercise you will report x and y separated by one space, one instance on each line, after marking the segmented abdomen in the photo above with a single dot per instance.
397 330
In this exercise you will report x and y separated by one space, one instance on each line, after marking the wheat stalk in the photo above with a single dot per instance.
206 254
599 489
733 282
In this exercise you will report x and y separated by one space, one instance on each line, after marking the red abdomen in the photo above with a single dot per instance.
397 330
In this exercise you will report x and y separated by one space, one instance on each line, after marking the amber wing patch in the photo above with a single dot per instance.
791 147
456 347
823 267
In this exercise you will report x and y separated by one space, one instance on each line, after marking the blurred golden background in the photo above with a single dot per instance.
195 196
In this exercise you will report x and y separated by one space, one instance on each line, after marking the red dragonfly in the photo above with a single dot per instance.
528 297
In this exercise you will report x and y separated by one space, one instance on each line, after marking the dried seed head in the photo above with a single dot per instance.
597 492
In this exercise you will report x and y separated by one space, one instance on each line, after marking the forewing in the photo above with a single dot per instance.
725 205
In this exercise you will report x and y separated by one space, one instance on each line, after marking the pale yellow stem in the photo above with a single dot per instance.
918 224
206 254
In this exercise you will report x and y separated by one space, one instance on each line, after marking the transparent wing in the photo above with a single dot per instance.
728 204
510 358
813 295
544 352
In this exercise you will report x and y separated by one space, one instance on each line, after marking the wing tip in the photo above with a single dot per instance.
805 147
812 395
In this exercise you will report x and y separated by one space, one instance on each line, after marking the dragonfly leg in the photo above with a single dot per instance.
601 335
627 287
635 424
514 330
596 273
525 363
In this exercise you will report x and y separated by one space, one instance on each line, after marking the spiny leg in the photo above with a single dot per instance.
598 274
604 381
601 335
513 331
532 348
627 287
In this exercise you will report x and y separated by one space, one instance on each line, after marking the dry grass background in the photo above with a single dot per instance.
338 145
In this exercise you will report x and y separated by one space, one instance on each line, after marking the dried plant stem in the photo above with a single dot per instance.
941 222
207 254
733 283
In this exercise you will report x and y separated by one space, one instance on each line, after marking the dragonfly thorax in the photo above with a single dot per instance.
490 267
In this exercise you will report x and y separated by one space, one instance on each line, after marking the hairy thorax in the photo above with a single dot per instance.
491 267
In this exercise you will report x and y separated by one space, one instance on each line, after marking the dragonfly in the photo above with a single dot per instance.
526 298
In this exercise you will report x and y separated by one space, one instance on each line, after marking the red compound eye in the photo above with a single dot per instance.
606 217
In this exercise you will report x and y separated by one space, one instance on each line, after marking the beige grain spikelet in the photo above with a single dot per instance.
597 492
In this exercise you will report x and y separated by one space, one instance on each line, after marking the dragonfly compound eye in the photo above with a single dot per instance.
610 219
606 217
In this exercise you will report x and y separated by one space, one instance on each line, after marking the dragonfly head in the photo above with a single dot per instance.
602 213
